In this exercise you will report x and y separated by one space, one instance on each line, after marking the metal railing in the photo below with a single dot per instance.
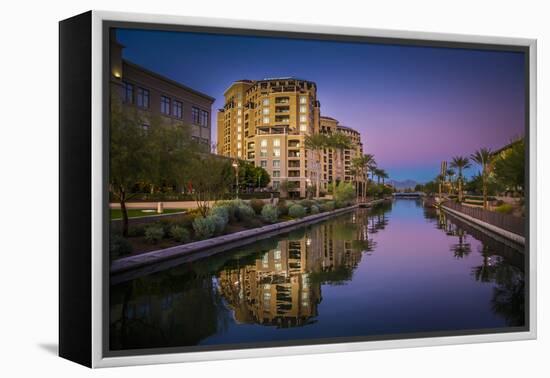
507 222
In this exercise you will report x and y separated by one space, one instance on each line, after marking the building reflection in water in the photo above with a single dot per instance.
276 281
502 264
282 286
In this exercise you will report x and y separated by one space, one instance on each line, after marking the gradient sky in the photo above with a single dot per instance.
414 106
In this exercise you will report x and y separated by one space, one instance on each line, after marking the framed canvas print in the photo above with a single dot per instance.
233 189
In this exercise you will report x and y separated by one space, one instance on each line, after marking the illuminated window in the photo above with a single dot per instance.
263 143
266 119
303 99
263 163
303 108
303 127
276 152
276 142
265 111
265 101
303 118
276 163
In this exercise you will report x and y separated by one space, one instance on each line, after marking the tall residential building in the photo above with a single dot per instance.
336 164
265 122
154 95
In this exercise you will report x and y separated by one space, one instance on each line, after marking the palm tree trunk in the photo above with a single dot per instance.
318 174
459 190
124 213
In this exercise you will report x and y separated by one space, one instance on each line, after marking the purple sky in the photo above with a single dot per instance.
414 106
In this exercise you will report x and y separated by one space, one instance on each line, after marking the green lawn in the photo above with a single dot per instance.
136 213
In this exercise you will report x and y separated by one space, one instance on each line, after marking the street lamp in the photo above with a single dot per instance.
236 166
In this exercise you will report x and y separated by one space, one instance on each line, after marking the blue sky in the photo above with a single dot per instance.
414 106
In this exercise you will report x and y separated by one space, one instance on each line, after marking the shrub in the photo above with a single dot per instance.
297 211
204 227
504 209
179 233
222 212
328 206
119 246
345 192
230 205
257 205
307 203
154 233
244 212
270 213
137 230
339 204
282 209
219 223
314 209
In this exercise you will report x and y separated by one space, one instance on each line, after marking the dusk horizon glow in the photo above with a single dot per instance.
414 106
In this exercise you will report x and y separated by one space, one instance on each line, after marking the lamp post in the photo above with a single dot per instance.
236 166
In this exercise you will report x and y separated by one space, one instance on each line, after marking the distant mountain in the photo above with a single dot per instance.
402 184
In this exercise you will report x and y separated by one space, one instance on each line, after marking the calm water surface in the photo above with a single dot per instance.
396 269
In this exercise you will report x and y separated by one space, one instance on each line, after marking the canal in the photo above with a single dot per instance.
396 269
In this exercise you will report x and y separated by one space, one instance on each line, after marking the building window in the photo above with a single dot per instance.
265 111
266 120
143 98
263 163
164 105
239 120
263 153
195 115
303 127
265 102
128 95
303 100
303 118
239 145
276 142
276 152
276 185
263 143
303 108
239 104
203 121
276 173
177 109
276 163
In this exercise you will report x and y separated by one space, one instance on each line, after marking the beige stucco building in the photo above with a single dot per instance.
266 122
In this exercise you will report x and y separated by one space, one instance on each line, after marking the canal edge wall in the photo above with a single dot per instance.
497 230
224 242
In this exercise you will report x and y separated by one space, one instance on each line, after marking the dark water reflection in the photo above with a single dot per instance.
397 268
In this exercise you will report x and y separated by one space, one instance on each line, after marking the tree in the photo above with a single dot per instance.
344 192
210 178
286 186
460 163
449 174
383 175
316 143
483 158
131 158
509 168
338 142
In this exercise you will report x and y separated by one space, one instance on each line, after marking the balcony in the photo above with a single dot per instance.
282 100
293 154
282 119
294 164
294 173
282 109
293 144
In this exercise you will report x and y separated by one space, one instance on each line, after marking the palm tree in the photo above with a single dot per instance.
356 170
338 142
368 163
383 175
483 158
449 173
460 163
440 180
317 142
